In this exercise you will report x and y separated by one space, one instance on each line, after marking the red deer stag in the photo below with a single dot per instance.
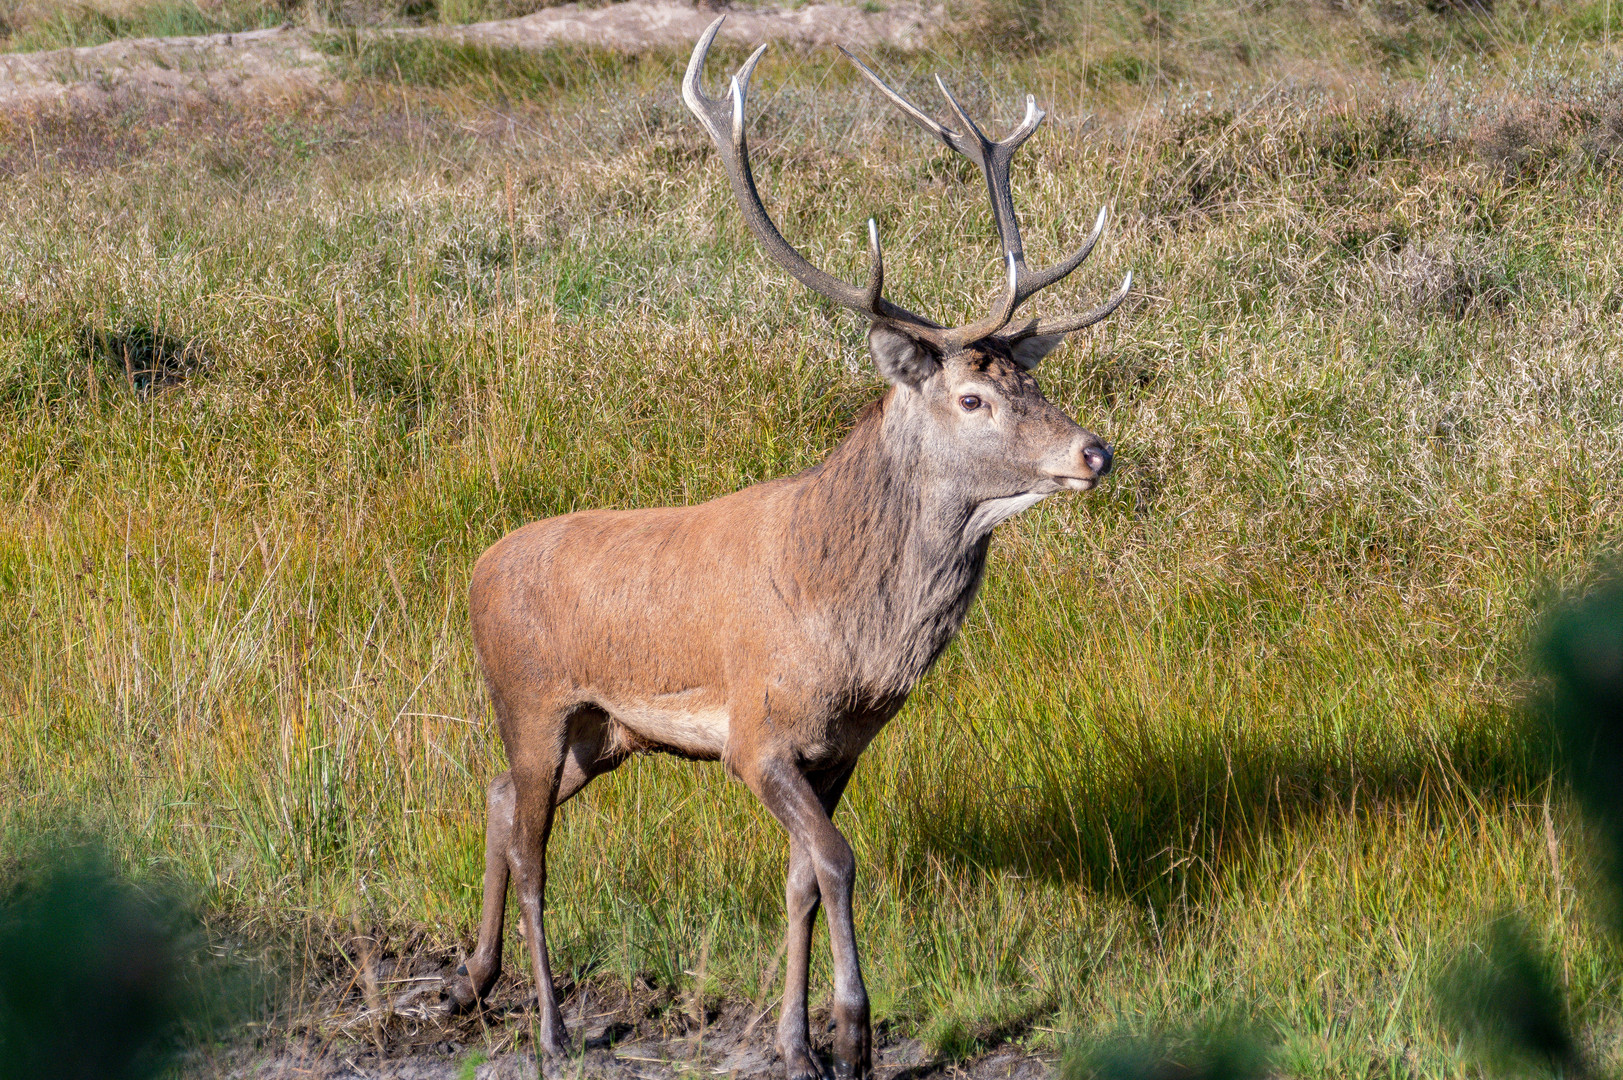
778 628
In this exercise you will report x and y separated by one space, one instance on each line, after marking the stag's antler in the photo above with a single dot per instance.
724 119
993 159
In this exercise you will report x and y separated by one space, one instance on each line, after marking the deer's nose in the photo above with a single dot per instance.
1098 458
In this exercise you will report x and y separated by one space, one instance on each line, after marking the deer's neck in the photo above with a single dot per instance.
886 556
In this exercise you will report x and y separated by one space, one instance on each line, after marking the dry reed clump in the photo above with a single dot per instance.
356 14
1017 27
447 11
1603 143
1546 121
1449 274
143 356
1214 160
1523 139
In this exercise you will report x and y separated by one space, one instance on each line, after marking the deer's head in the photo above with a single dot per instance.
965 394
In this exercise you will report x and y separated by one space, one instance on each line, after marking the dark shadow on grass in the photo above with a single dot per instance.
1158 825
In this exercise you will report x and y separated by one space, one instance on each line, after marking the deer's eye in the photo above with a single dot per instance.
969 403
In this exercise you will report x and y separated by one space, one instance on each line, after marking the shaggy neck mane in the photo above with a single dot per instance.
881 552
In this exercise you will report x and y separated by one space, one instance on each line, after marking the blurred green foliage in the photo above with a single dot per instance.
1503 994
100 977
1583 653
1221 1052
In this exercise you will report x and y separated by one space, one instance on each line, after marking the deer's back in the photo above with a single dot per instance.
654 615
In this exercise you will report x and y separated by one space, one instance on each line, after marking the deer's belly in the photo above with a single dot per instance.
673 722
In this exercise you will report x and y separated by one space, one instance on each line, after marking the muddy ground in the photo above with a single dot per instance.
359 1014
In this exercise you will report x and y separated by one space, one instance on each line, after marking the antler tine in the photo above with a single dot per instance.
994 159
699 103
876 267
1070 323
1035 283
741 86
973 128
724 120
1034 116
951 138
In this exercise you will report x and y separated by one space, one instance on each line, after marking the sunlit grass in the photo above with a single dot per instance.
32 25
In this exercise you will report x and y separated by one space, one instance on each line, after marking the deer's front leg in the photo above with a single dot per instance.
795 802
802 896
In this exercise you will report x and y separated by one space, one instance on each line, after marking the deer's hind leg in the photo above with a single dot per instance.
587 753
474 978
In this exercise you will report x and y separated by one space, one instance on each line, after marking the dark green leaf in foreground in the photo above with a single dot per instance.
1583 653
93 974
1215 1055
1501 996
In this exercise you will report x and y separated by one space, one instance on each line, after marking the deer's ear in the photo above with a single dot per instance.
1028 352
900 358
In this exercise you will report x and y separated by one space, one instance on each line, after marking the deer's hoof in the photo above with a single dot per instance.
800 1065
853 1058
554 1041
460 995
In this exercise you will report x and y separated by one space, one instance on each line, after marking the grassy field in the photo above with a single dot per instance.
30 25
1237 734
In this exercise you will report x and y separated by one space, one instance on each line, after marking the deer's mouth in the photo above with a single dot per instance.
1076 483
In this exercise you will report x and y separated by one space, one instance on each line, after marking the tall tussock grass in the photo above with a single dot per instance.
1242 727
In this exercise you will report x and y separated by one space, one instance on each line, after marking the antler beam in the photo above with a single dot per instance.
724 119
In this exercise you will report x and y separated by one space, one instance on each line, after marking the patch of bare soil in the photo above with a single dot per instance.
371 1015
643 25
283 64
266 65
